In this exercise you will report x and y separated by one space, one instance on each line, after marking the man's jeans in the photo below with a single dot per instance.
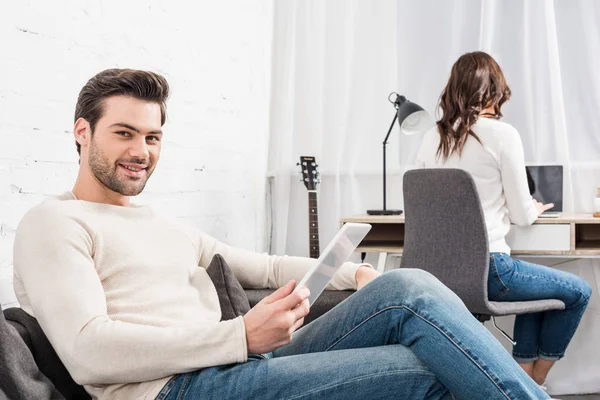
403 336
543 335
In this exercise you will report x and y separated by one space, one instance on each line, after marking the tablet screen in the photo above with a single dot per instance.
335 254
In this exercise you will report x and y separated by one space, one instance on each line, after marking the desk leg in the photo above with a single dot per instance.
362 256
382 261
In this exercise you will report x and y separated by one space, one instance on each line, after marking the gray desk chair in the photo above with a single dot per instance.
445 234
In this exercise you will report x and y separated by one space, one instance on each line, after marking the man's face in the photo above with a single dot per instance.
125 146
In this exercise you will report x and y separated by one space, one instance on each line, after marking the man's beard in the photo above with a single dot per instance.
107 174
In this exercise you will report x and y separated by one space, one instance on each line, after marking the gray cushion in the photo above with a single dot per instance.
232 298
44 355
20 377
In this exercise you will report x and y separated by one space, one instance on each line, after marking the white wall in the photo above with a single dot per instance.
216 56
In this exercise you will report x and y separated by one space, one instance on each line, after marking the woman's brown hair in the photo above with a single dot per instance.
476 83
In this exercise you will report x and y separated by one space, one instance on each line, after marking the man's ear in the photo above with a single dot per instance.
82 132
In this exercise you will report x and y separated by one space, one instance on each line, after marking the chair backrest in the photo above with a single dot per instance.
445 232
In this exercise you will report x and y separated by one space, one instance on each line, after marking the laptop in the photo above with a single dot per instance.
331 259
546 186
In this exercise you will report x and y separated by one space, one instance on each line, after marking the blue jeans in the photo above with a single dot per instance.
404 336
544 335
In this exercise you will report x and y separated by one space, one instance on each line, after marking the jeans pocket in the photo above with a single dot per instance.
496 285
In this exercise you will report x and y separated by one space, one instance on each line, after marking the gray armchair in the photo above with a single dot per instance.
445 234
31 369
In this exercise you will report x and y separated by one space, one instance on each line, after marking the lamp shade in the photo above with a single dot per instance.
412 118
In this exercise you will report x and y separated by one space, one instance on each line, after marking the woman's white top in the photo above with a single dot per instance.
498 169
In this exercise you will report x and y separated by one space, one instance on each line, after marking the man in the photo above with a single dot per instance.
125 300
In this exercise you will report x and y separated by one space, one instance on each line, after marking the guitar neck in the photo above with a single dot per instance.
313 224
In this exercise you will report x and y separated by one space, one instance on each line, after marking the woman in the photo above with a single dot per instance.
470 136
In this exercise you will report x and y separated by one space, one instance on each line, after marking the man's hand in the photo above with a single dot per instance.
271 322
542 207
365 275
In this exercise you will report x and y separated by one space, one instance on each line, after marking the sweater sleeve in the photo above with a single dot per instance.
519 202
260 270
53 259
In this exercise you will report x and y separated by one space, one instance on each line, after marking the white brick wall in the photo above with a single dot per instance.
216 56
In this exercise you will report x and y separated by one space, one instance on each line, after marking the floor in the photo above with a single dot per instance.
581 397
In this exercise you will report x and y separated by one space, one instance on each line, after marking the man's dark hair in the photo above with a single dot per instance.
142 85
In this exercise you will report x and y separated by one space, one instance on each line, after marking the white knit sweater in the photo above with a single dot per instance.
124 297
498 169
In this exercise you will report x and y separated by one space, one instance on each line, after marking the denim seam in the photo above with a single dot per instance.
525 360
169 387
559 281
358 379
496 274
184 387
433 325
521 355
551 354
552 357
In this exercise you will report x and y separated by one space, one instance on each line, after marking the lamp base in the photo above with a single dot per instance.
384 212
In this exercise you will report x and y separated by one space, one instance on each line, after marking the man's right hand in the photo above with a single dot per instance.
271 323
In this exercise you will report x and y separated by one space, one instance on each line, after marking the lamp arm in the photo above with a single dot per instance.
391 127
384 160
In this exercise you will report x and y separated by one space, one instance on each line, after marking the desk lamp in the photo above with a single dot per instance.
412 120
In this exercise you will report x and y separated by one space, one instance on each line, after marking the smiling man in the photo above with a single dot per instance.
124 297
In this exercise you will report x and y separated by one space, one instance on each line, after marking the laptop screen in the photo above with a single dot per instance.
546 184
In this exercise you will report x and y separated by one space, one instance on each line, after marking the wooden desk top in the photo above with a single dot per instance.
387 234
381 219
565 218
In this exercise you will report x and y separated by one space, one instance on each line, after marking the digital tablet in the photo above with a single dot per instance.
331 259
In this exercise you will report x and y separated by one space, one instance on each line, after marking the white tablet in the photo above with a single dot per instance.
335 254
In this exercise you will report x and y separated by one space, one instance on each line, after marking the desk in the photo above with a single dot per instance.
573 235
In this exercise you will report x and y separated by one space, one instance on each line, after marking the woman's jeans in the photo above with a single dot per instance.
544 335
403 336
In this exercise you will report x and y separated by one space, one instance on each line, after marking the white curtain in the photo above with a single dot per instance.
336 61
